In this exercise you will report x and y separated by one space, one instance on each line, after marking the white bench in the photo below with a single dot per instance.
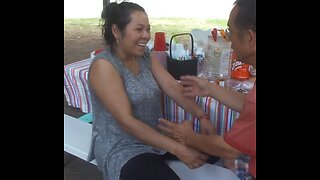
77 136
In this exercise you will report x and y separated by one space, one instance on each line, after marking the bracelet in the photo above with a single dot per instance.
204 116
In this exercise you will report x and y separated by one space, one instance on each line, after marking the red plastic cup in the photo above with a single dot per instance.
159 41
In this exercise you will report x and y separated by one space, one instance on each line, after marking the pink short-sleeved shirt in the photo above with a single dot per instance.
242 135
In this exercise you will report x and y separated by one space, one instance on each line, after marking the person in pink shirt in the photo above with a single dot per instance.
241 138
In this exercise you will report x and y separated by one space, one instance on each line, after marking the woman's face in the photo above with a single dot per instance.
136 34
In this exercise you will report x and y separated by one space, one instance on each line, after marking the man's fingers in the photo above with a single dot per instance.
166 123
166 126
186 78
187 89
196 164
165 129
204 157
187 122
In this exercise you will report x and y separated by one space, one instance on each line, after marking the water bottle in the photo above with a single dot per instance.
200 65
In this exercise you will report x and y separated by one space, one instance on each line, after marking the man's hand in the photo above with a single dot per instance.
230 164
194 86
180 132
191 157
206 127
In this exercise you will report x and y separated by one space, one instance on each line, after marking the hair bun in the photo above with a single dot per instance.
109 10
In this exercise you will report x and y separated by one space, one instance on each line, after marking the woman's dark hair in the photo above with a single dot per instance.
118 14
246 17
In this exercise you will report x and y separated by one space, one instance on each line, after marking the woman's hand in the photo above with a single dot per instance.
180 132
183 133
194 86
191 157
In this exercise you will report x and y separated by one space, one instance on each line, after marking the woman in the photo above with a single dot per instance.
126 85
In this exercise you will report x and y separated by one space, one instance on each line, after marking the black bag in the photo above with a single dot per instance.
188 66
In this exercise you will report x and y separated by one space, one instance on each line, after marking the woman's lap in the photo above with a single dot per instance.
147 166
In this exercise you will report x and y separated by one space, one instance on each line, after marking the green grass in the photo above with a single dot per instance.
170 26
81 23
173 26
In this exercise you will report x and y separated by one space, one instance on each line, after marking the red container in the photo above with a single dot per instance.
159 42
241 72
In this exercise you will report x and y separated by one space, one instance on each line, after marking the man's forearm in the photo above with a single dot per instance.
213 145
232 99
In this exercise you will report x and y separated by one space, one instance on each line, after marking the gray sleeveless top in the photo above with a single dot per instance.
110 145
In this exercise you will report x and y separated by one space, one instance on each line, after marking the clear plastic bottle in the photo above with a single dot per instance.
200 66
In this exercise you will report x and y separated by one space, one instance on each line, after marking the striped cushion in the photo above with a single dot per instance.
76 85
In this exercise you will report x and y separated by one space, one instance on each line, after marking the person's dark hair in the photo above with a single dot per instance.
118 14
246 17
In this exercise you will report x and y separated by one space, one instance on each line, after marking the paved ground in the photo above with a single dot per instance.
78 169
